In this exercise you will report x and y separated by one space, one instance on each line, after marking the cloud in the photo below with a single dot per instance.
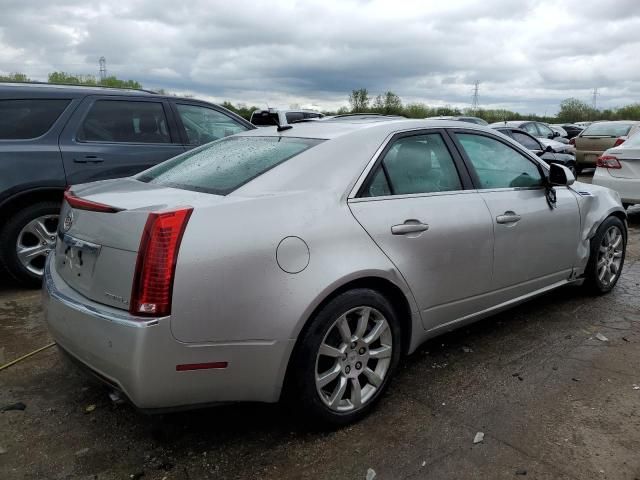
528 55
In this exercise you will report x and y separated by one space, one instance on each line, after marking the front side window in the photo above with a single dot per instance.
204 125
498 165
545 131
418 164
526 141
125 121
293 117
227 164
531 129
23 119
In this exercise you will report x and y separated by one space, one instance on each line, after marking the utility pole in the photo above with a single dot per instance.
594 102
474 101
103 69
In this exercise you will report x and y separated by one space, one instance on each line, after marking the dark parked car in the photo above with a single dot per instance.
571 129
544 152
537 129
52 136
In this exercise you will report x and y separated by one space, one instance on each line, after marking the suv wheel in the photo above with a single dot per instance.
26 240
607 256
345 359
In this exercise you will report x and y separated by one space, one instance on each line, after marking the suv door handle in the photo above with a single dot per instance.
409 226
508 217
89 159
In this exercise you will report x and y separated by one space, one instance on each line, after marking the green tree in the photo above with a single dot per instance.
359 100
110 81
574 110
14 77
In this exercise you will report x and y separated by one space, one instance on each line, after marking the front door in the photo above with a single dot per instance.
535 242
437 234
112 137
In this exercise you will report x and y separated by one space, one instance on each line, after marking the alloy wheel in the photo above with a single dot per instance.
36 239
353 359
610 256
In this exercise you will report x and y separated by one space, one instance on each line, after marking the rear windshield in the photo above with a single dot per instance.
22 119
607 129
223 166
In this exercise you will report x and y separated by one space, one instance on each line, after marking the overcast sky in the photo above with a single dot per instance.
528 55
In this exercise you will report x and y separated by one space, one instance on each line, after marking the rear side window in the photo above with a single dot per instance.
23 119
419 164
294 116
125 121
607 129
225 165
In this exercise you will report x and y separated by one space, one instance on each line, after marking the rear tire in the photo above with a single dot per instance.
32 232
578 170
572 166
606 260
359 357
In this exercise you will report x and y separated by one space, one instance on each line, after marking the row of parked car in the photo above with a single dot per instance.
52 136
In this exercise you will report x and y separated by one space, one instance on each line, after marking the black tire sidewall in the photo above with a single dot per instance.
593 282
301 391
9 235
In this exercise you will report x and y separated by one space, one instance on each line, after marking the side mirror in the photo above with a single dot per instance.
548 149
560 176
555 134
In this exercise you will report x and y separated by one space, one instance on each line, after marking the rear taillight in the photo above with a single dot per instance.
84 204
608 161
156 264
619 141
572 141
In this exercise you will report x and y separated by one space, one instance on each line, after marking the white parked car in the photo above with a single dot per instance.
619 169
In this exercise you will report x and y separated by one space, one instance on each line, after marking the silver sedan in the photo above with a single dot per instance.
301 265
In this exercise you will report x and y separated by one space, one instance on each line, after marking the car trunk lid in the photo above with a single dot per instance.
629 159
96 252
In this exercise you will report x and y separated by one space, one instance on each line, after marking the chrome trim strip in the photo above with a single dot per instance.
81 244
122 318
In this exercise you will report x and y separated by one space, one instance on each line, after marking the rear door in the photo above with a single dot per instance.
416 205
535 243
118 136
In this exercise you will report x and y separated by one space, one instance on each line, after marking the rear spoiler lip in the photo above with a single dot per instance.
80 203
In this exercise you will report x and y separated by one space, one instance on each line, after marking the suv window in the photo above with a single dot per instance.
526 140
22 119
204 125
498 165
294 116
225 165
125 121
418 164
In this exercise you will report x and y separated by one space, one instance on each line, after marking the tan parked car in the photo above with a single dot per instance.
601 136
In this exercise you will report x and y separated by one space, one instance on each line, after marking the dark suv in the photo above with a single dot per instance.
52 136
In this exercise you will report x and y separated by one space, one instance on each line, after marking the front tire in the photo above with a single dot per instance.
608 247
26 239
345 359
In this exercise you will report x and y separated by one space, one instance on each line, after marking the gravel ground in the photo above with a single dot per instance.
552 400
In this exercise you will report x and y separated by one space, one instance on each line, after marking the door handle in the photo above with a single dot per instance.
508 217
409 226
88 159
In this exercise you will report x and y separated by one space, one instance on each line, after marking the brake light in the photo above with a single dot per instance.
572 141
619 141
84 204
156 264
608 161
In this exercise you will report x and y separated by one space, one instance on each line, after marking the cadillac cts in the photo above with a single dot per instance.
304 263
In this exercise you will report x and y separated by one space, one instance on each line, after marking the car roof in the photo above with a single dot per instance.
511 123
328 130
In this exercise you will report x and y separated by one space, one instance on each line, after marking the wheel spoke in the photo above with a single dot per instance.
345 330
328 376
617 241
617 254
375 333
373 377
363 321
338 393
614 268
330 351
27 254
601 272
601 263
356 393
383 352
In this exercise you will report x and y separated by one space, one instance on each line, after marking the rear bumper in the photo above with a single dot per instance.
628 188
140 356
587 157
